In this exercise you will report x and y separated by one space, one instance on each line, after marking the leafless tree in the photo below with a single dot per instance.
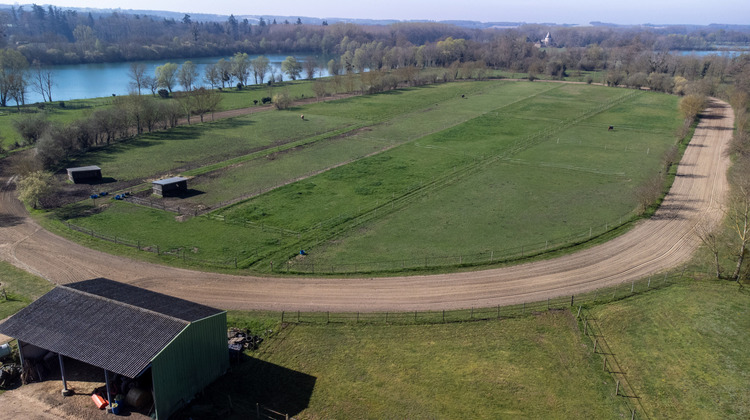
137 74
711 239
41 81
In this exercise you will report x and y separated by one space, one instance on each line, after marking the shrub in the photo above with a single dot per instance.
163 93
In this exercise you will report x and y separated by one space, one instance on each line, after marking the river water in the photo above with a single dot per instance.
83 81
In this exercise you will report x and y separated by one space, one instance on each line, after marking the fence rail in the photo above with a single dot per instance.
177 253
582 300
309 265
610 364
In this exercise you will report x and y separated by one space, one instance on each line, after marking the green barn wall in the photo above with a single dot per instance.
194 359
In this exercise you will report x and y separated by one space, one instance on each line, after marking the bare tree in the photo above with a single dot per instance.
311 67
137 74
711 239
41 81
739 219
205 101
261 65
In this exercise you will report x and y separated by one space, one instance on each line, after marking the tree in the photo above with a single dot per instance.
260 65
647 193
224 68
41 81
34 187
137 74
282 100
739 213
691 106
187 75
31 126
212 76
166 75
712 240
311 67
152 83
320 88
291 67
241 67
13 67
205 101
132 106
186 102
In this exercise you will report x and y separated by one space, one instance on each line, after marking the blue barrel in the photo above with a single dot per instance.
4 350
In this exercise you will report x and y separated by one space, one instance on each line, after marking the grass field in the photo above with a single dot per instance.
531 367
455 165
21 287
684 349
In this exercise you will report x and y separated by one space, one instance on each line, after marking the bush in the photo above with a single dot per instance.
282 100
266 100
240 86
62 104
163 93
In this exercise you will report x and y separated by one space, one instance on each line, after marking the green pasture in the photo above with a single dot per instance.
465 167
21 288
529 367
684 349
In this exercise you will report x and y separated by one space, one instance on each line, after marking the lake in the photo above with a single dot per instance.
83 81
721 53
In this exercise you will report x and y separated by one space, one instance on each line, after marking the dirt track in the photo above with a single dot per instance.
664 242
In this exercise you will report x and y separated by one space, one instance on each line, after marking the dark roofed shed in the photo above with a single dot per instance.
170 186
84 174
125 329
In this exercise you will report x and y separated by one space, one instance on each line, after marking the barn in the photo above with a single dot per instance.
85 174
173 348
170 186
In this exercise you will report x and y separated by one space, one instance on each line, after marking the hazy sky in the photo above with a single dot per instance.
532 11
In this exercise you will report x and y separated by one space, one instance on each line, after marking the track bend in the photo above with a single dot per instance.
663 242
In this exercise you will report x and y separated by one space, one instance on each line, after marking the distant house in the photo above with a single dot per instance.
170 186
170 347
85 174
548 41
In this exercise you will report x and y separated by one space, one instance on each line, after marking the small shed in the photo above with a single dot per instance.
91 173
170 186
129 331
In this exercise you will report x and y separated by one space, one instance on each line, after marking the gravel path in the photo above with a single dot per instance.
655 245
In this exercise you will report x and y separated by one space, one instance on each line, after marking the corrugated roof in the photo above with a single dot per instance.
172 180
85 168
146 299
117 333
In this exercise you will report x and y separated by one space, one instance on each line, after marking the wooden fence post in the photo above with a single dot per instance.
595 341
617 388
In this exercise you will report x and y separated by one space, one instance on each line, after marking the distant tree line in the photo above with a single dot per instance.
56 36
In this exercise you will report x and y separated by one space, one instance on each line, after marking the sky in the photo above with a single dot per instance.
701 12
